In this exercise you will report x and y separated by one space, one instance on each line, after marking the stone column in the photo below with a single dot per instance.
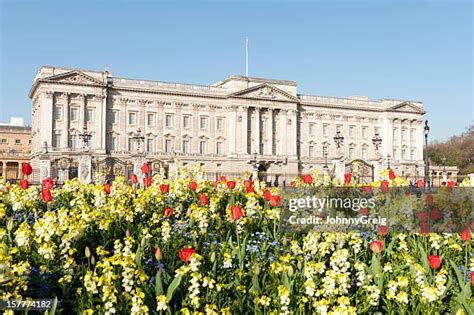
103 118
212 130
160 126
195 128
46 118
294 134
65 132
244 130
283 128
270 132
257 130
123 140
232 130
177 128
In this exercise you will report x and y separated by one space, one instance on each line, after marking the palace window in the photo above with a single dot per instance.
404 154
220 148
312 128
364 132
404 134
186 121
395 134
74 113
3 141
168 146
57 112
364 153
412 134
412 154
73 141
89 114
351 153
203 122
338 128
56 140
17 141
351 131
114 117
220 123
169 120
395 151
112 145
311 151
185 146
150 145
325 130
132 118
151 119
131 144
203 147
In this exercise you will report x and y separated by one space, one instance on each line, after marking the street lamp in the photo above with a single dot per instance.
338 139
427 163
377 141
325 154
85 136
388 160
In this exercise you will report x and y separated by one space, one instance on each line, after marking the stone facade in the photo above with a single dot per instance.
15 139
235 125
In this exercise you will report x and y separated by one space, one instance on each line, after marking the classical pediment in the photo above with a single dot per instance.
406 107
74 77
265 91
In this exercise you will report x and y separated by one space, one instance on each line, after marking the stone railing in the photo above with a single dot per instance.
167 85
337 100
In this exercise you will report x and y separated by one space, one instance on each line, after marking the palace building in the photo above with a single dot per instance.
235 125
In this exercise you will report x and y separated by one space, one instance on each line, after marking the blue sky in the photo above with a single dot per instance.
415 50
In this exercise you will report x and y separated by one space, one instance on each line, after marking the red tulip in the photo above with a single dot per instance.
422 216
26 169
367 189
384 186
48 183
236 213
472 278
134 178
382 230
292 183
391 174
307 179
203 199
435 214
157 253
186 253
145 168
429 200
420 183
347 178
192 185
223 178
363 211
274 201
231 184
451 185
24 183
164 188
434 261
376 246
267 194
168 212
107 188
465 234
249 186
424 228
46 195
248 183
146 181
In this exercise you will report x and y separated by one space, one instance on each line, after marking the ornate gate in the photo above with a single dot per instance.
109 168
361 170
63 168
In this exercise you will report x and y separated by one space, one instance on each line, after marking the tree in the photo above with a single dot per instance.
458 151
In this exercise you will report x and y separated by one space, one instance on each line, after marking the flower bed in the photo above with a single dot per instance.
190 245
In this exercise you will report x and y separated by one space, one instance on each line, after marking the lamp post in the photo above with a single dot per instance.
445 175
338 139
388 161
325 154
427 163
377 141
85 136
